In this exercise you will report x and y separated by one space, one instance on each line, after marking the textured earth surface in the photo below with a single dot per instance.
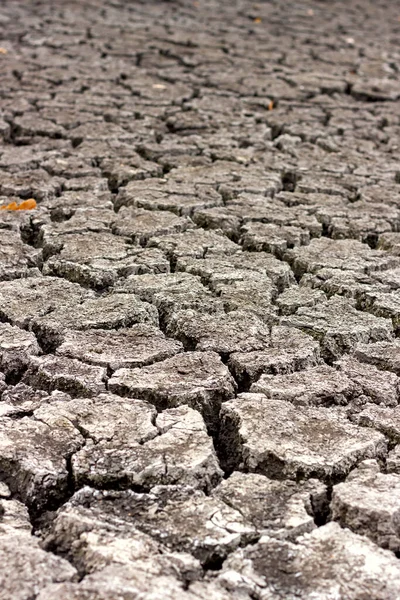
200 320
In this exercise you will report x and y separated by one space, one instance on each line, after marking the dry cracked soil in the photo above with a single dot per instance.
199 322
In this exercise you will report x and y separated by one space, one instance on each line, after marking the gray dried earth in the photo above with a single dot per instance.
200 320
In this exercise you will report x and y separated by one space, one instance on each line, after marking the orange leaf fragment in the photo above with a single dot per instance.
271 105
257 20
3 51
11 206
25 205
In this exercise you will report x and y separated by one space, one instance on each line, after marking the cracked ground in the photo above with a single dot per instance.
199 321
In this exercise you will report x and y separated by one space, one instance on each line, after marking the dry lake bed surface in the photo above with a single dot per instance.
199 303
